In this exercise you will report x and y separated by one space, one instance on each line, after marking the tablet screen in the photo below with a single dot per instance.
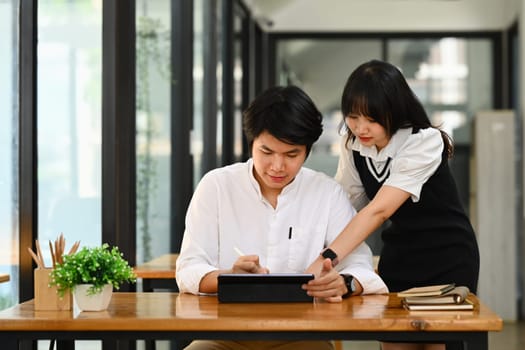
273 287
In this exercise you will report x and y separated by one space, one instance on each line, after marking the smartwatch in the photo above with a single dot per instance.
350 285
330 254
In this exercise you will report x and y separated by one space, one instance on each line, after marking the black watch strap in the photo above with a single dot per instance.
350 285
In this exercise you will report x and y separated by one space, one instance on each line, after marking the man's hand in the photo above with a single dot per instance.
248 264
244 264
328 285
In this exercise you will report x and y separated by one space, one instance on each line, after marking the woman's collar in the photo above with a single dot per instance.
389 151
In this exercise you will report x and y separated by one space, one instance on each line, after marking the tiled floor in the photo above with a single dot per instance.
512 337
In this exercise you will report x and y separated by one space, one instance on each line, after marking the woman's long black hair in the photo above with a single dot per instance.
378 90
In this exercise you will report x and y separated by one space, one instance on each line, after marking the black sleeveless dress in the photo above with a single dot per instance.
428 242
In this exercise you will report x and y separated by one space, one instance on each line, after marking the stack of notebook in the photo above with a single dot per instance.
438 297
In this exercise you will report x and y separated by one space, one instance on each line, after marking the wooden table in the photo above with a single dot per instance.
4 277
184 316
158 273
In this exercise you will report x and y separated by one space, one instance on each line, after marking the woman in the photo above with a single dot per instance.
394 166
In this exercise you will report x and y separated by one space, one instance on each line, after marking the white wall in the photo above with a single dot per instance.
493 212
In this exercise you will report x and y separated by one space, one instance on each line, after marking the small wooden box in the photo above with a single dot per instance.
46 297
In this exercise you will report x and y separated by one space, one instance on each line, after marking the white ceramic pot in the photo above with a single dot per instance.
94 302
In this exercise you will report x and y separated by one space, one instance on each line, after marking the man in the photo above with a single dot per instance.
278 213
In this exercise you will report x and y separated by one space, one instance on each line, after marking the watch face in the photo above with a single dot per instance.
330 254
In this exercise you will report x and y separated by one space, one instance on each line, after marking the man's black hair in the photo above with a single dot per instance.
285 112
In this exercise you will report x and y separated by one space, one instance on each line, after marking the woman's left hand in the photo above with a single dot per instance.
328 284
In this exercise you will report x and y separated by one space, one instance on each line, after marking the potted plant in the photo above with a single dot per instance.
91 274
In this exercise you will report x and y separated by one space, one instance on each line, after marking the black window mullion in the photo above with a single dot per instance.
268 63
181 188
498 73
258 52
118 127
248 75
209 83
28 179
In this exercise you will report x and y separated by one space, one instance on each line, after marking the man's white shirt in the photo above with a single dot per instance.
228 210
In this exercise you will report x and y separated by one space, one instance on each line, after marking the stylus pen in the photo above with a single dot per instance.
238 251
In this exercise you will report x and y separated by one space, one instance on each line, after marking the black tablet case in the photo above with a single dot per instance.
270 288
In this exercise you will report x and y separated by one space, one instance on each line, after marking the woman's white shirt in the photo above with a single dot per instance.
415 157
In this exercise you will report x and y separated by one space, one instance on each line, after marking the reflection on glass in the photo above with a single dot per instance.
237 87
219 46
9 152
153 140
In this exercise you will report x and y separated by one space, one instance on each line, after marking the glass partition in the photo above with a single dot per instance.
239 80
153 139
451 76
69 121
9 142
69 133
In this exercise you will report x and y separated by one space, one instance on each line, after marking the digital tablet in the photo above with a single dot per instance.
269 288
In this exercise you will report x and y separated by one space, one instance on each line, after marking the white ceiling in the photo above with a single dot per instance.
384 15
